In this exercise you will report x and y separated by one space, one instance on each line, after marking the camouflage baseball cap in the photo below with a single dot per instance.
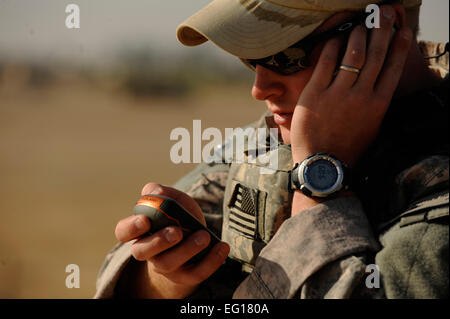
254 29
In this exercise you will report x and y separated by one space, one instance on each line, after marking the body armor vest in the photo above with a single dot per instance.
255 203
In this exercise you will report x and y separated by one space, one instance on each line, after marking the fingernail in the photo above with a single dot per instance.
171 235
139 223
222 252
157 190
151 188
387 13
200 239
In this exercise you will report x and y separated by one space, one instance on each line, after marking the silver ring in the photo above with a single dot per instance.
350 69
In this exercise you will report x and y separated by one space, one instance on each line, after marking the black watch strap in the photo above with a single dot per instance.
347 183
294 183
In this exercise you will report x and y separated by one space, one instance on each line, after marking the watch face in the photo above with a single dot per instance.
321 174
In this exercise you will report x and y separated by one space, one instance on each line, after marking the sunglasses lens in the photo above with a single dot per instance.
280 69
287 62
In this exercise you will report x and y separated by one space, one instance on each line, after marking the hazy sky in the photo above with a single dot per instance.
36 28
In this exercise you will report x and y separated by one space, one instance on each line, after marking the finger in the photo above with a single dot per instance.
182 198
152 188
354 56
326 66
132 227
150 246
393 70
378 47
174 258
206 267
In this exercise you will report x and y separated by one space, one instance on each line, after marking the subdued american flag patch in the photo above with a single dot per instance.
243 211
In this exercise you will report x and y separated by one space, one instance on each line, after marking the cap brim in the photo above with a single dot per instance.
250 29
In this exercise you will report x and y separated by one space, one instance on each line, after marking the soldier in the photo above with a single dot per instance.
362 176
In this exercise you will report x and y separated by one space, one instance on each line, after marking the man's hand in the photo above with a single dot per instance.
342 115
165 273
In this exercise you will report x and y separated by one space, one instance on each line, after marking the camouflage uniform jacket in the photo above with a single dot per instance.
398 219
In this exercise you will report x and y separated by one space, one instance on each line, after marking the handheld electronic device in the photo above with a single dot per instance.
164 211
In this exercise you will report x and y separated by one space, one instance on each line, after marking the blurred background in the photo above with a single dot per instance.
85 119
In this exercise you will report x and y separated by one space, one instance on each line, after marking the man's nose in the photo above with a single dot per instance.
268 84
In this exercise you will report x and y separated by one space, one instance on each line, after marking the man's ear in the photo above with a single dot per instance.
400 20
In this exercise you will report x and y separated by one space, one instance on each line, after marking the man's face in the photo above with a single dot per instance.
281 92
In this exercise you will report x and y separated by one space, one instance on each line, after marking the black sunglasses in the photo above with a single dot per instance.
296 57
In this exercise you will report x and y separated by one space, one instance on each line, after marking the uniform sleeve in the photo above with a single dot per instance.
329 237
329 252
206 185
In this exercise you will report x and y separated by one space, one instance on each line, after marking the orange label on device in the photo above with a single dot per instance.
151 201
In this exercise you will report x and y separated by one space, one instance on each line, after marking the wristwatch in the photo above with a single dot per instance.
320 175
